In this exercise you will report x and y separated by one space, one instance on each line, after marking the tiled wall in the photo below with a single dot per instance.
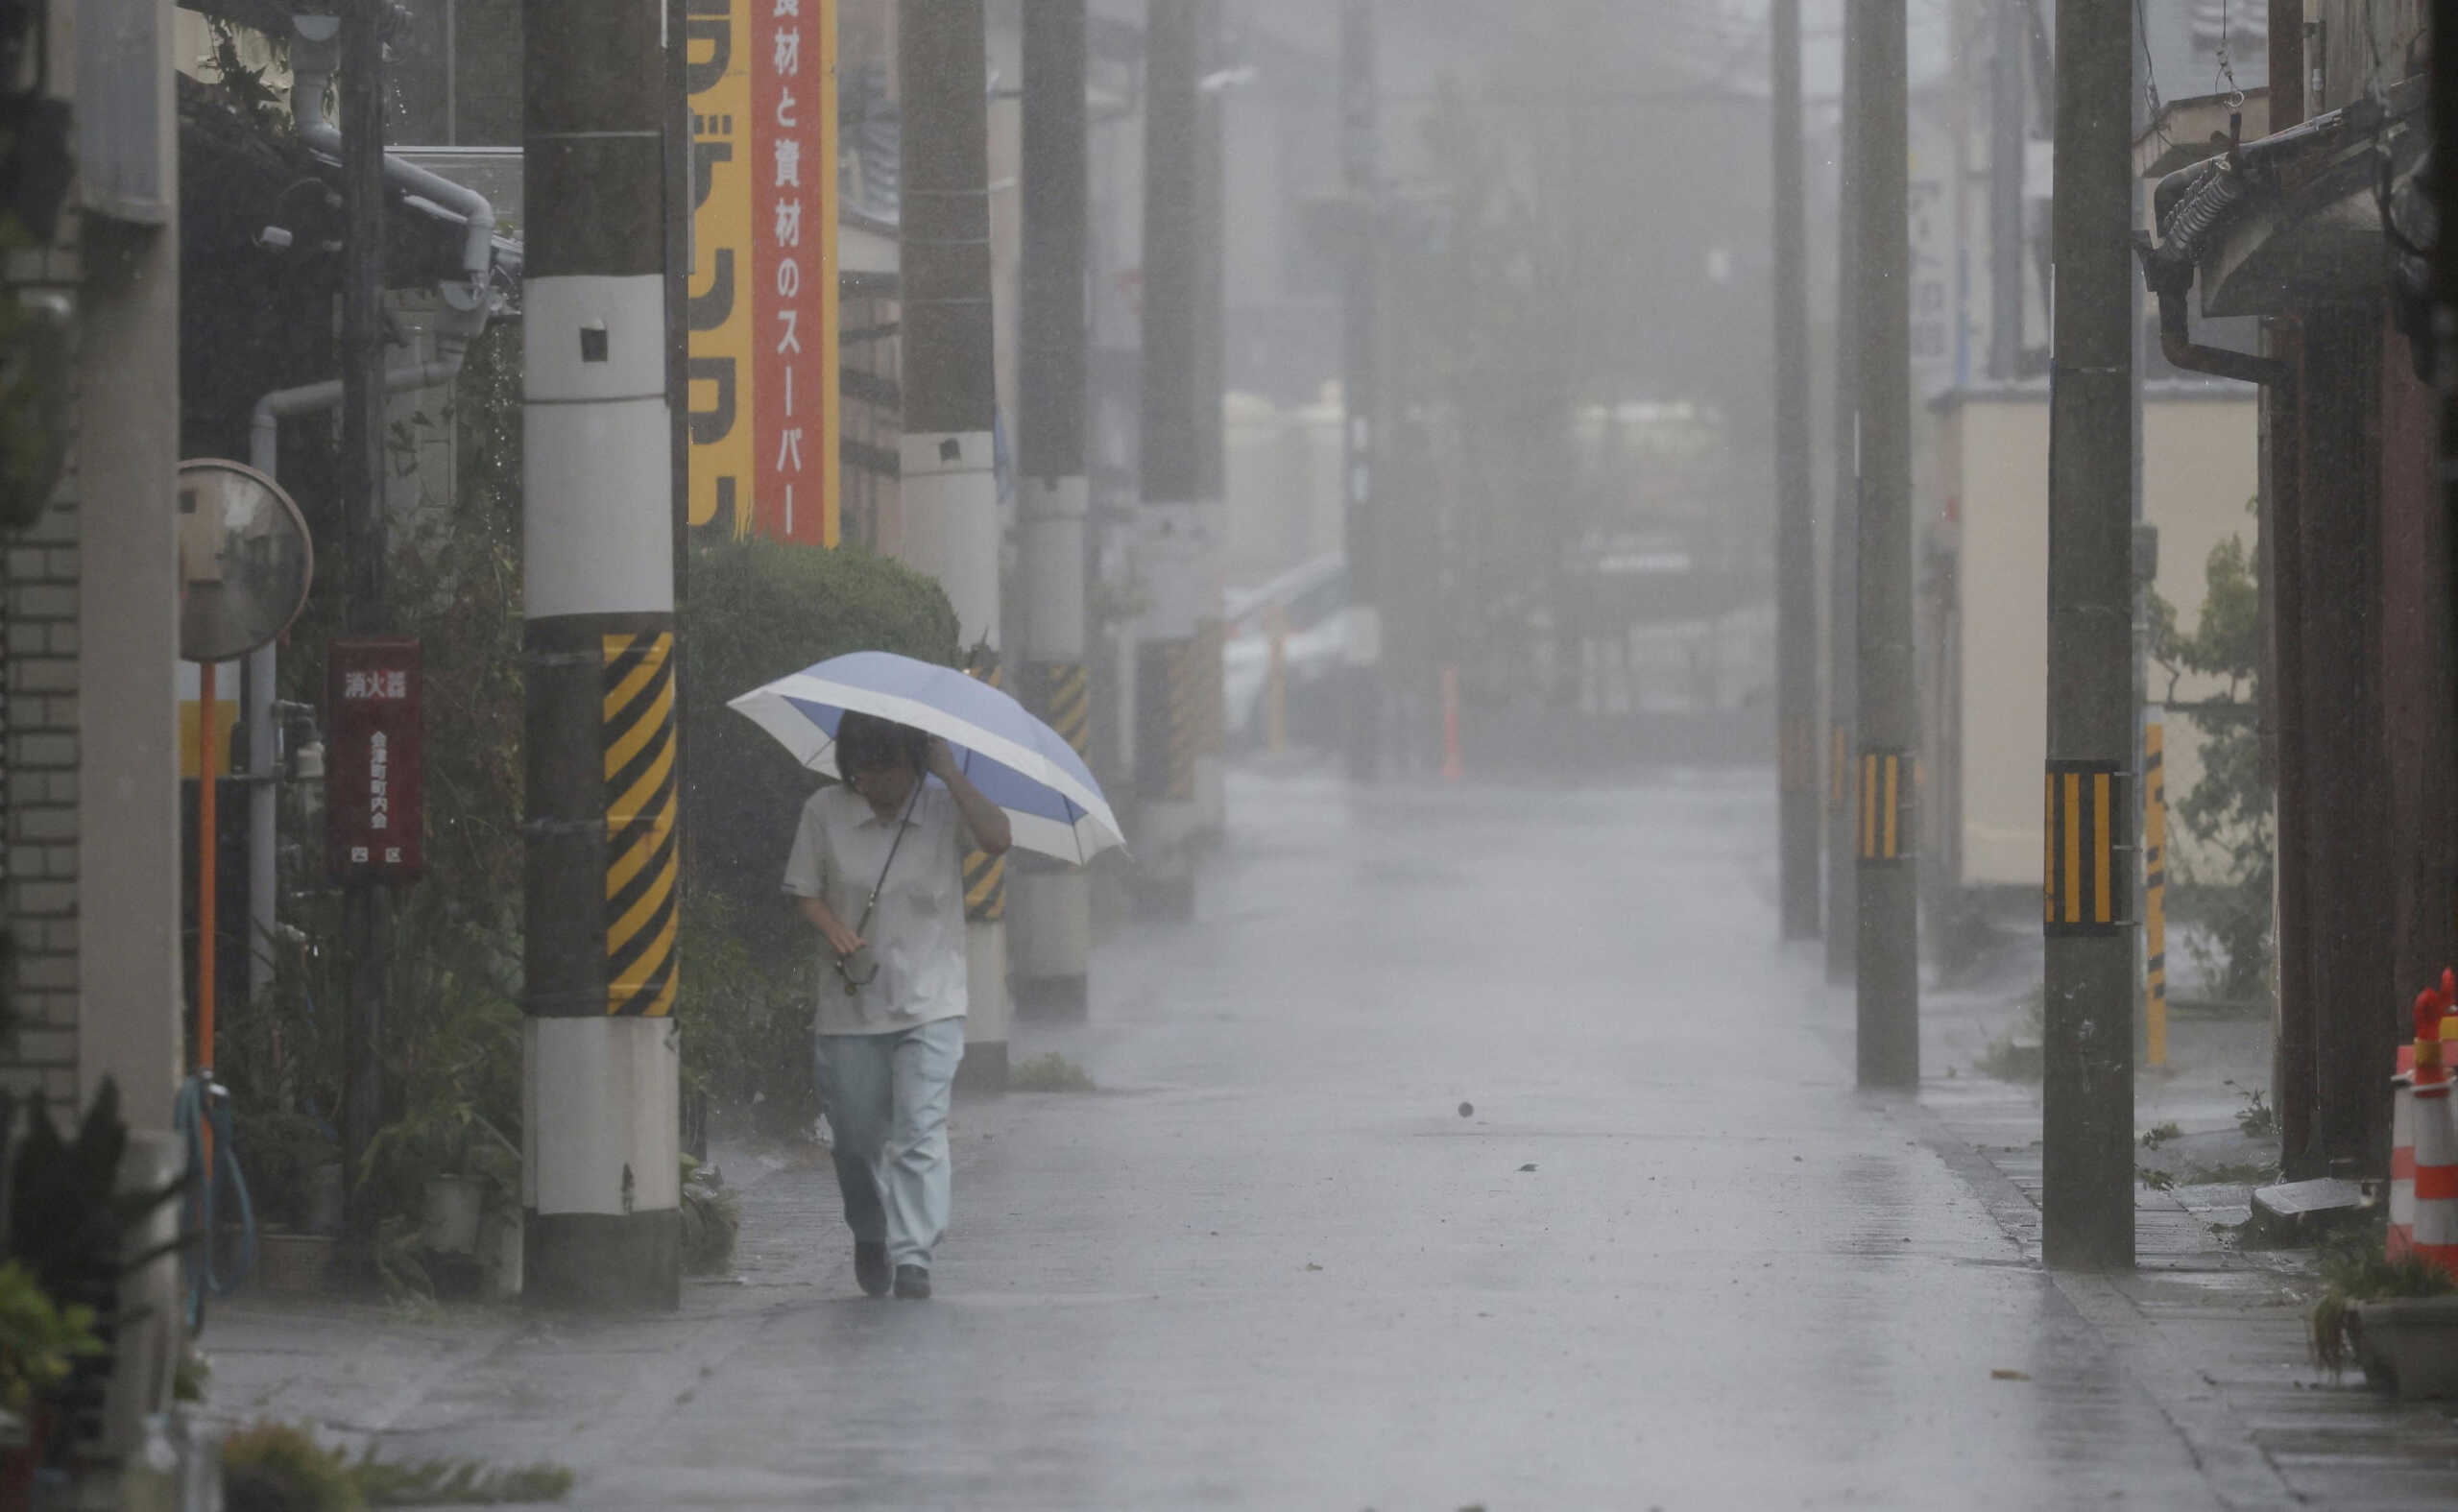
39 798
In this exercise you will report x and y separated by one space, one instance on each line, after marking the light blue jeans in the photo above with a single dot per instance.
886 1098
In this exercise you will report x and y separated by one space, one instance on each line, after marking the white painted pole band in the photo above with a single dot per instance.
598 536
601 1110
1173 557
1054 512
949 493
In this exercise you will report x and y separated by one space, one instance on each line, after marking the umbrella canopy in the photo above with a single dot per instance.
1021 764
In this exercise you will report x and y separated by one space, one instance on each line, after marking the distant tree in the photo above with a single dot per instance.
2225 880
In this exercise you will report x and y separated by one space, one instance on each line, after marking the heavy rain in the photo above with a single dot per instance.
1463 755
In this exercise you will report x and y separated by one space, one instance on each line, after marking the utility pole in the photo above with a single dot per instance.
1795 524
2445 270
2007 137
1361 385
1842 594
1174 530
2087 1202
1210 388
601 1175
950 489
1887 875
2294 1087
367 905
1053 908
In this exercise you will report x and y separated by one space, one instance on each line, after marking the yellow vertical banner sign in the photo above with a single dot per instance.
763 302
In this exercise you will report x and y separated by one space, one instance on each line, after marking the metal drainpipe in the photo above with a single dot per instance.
2182 351
464 320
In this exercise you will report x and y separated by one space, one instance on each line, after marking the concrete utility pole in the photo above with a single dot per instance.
2293 1085
1842 594
1889 965
2088 1199
601 1178
950 489
2445 314
2006 136
1054 907
1212 387
1176 530
366 906
1361 385
1795 525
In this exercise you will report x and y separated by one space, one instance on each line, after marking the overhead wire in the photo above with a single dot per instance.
2158 107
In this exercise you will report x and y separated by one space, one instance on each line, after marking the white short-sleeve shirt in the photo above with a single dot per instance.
917 929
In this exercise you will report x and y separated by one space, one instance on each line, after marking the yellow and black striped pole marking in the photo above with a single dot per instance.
2083 869
985 887
642 904
1063 693
1886 806
985 875
1168 719
2154 895
1839 797
1211 693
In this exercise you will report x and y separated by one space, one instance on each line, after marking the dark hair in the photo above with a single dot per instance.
866 742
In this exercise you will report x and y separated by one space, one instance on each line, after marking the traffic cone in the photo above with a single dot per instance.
2402 1132
2402 1158
2435 1023
2434 1235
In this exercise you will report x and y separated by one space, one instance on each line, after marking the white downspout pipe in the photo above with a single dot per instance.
264 454
477 246
464 319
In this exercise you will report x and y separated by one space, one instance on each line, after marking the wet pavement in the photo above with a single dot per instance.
1472 1147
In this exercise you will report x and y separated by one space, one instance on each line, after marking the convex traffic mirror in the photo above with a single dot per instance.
244 560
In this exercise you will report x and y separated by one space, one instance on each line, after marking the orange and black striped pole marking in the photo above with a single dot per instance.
1887 784
641 902
2084 868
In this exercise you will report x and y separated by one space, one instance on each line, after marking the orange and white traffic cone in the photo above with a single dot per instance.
2434 1237
2434 1022
2402 1158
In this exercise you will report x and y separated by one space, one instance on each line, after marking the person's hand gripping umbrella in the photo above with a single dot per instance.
1021 764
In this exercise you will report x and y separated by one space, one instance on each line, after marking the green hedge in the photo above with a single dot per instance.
758 610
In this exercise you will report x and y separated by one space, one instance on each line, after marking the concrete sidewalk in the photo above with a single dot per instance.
2215 1330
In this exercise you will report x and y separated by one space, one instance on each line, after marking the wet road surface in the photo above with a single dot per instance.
1671 1258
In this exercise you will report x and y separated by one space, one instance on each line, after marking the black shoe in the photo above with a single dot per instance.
912 1284
870 1267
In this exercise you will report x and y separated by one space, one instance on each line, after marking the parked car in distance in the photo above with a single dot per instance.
1313 598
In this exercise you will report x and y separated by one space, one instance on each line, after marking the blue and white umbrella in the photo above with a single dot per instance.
1021 764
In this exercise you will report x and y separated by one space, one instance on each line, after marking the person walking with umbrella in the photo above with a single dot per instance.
876 869
933 762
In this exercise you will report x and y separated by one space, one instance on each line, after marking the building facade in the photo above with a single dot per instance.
91 896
